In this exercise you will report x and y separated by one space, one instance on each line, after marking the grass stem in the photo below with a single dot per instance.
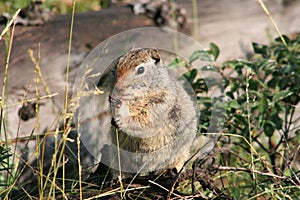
264 7
66 102
4 88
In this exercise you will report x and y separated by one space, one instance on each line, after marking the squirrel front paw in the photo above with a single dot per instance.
114 101
117 122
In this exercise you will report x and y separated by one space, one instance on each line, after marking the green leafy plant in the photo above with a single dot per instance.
262 126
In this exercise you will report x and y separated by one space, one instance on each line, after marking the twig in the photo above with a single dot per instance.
249 170
162 187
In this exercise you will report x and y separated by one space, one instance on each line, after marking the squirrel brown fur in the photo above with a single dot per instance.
154 116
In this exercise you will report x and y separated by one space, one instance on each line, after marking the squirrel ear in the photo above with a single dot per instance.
155 55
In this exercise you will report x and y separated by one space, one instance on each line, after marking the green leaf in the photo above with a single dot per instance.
200 85
261 120
263 105
298 135
288 69
273 82
281 95
200 54
230 94
234 104
235 191
253 84
285 38
191 75
177 62
210 68
260 49
234 87
277 121
241 120
257 93
205 99
214 50
284 83
293 99
269 128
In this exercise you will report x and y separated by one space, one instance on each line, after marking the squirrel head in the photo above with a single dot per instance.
140 68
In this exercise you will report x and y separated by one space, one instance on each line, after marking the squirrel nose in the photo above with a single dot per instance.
115 102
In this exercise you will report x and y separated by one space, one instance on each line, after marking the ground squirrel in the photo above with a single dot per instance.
154 117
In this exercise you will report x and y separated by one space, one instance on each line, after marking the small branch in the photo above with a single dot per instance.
162 187
249 170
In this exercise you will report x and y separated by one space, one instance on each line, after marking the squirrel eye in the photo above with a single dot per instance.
140 70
